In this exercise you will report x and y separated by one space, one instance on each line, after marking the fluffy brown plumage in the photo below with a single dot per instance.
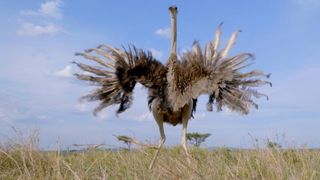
173 88
208 72
198 72
119 76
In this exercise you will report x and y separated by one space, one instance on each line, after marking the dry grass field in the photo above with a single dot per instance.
26 161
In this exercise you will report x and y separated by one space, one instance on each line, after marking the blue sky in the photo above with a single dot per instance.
38 39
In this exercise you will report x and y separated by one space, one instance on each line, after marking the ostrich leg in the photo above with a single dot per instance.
159 118
186 114
184 139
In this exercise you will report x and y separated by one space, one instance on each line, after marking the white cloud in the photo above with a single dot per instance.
103 116
307 7
156 53
163 32
50 8
30 29
29 13
65 72
82 107
42 117
143 117
1 114
308 2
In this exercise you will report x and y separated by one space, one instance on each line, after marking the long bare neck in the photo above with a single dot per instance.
173 35
173 12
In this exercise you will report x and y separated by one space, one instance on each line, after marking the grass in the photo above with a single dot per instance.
26 161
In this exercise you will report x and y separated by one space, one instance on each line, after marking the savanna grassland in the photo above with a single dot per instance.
26 161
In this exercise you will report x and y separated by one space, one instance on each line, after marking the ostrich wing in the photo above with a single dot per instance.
213 72
118 73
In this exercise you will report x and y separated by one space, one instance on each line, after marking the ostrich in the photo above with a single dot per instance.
173 88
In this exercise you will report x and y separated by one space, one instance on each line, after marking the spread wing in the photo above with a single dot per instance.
213 72
117 74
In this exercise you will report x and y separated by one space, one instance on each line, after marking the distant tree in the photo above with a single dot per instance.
273 145
197 138
126 139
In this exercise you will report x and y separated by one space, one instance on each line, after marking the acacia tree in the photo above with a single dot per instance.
125 139
197 138
273 144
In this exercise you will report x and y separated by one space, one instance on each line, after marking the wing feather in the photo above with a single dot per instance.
215 73
120 70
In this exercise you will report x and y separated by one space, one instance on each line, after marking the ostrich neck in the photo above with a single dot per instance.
173 50
173 61
173 65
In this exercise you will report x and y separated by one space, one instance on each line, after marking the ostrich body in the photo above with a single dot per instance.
173 88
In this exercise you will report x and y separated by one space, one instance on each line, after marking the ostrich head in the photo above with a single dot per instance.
173 12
